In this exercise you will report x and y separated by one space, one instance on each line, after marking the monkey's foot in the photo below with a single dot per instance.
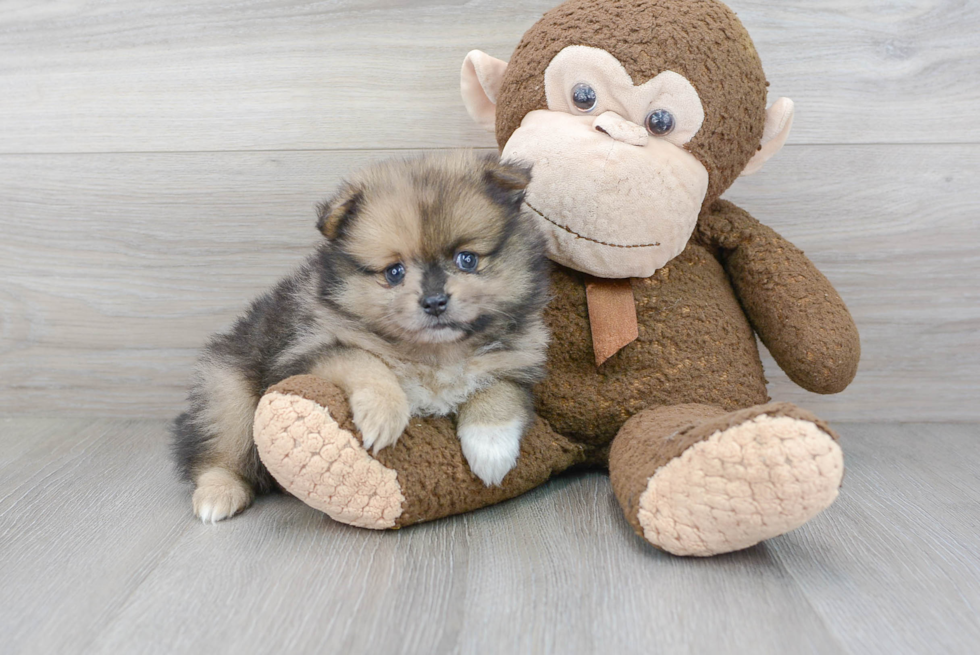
306 438
733 480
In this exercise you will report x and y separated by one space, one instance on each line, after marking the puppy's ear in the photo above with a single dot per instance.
334 215
509 176
507 180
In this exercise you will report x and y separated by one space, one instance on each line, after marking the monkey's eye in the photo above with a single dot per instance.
583 97
467 261
395 273
660 122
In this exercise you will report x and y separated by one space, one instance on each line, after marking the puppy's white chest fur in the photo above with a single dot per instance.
437 390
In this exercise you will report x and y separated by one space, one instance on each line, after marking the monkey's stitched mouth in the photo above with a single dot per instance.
582 236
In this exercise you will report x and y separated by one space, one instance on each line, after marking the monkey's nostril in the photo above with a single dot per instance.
620 129
435 305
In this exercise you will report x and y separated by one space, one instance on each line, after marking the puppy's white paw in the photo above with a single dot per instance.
381 414
491 450
220 494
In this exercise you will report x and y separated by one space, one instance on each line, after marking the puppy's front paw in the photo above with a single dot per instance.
491 450
220 494
381 414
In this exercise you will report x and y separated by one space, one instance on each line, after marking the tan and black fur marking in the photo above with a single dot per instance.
340 317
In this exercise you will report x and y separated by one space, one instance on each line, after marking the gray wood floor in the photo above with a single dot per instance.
99 554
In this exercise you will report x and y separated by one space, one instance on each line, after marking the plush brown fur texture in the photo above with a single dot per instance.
694 345
793 308
694 369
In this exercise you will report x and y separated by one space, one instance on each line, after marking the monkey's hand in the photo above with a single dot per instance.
797 313
491 424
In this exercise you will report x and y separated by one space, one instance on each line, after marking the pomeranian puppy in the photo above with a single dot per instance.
425 299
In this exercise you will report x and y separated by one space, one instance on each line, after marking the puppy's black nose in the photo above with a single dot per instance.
435 305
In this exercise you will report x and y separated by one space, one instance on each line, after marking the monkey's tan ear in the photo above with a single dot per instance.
779 120
334 214
479 83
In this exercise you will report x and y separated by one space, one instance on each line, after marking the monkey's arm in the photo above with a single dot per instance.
797 313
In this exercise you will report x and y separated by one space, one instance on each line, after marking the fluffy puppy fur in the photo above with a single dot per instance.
425 298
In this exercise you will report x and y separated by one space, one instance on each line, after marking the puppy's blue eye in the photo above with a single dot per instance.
660 122
467 261
583 97
394 274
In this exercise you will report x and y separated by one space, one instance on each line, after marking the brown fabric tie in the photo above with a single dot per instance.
612 316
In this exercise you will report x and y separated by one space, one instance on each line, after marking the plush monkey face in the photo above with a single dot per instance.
634 115
624 144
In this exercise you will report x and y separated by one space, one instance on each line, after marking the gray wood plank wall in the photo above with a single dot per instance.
159 165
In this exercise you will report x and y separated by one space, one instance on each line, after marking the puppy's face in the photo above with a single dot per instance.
435 248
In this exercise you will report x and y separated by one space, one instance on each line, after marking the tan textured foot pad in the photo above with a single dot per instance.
323 464
742 485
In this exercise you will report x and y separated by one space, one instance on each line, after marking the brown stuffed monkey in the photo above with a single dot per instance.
636 115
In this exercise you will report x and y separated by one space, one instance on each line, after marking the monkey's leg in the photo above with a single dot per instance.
696 480
307 440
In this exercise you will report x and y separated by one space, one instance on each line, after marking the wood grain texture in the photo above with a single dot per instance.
896 562
99 554
349 74
85 515
115 268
